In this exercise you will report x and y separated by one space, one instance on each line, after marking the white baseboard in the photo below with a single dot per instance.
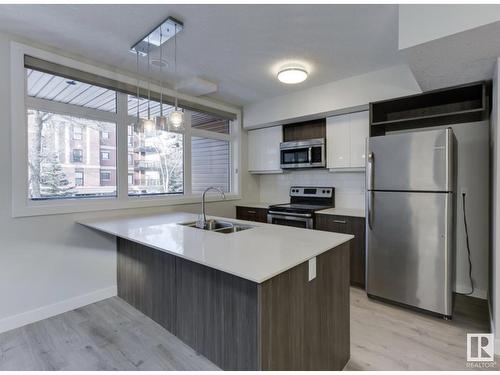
19 320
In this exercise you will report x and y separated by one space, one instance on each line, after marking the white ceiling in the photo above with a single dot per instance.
460 58
237 46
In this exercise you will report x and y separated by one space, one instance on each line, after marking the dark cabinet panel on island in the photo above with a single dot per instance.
287 322
356 227
251 214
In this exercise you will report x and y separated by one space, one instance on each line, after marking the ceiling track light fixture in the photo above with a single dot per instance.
292 74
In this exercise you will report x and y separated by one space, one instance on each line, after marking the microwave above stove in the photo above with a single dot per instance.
308 153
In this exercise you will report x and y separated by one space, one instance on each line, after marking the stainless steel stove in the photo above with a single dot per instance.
304 202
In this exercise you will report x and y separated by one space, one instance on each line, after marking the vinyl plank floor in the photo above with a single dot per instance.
112 335
107 335
386 337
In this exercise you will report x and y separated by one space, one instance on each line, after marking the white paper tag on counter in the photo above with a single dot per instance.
312 268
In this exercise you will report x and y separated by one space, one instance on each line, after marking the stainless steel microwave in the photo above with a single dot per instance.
308 153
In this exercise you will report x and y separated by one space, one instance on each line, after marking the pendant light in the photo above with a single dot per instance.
161 121
176 117
138 124
149 125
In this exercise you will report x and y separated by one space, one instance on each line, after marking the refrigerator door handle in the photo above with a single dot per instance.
370 208
309 155
371 159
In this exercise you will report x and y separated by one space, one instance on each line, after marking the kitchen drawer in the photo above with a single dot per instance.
251 214
356 227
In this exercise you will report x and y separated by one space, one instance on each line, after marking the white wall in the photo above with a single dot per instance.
422 23
473 175
49 264
349 187
495 211
325 100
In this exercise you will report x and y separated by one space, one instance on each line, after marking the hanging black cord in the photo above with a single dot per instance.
468 249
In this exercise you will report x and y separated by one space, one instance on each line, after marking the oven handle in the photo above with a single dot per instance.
288 214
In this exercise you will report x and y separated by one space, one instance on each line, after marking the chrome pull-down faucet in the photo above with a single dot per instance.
202 220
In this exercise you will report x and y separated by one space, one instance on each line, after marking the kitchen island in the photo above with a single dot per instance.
266 298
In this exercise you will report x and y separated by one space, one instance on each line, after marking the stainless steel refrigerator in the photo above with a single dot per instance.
410 209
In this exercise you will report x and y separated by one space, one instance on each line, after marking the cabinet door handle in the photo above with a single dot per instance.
340 221
251 212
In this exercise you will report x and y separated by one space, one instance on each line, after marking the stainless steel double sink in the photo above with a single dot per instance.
219 226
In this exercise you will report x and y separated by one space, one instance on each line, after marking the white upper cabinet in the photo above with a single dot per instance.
346 140
337 142
360 125
264 150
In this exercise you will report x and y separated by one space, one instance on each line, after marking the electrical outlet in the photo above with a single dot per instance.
464 190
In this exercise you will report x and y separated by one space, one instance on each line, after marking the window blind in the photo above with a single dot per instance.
210 165
111 84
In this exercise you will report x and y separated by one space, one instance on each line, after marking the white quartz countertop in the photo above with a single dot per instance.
256 254
343 212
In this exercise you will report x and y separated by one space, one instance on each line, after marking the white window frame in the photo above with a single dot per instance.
23 206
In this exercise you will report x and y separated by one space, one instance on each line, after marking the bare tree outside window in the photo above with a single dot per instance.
158 163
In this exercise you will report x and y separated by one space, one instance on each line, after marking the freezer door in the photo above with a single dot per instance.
409 249
421 161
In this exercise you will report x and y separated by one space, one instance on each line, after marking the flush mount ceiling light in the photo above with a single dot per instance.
292 74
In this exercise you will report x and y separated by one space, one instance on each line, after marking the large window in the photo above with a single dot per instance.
64 143
75 129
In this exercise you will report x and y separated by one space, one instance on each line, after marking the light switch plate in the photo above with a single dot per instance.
312 268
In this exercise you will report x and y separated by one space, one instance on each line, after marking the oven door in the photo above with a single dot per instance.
291 220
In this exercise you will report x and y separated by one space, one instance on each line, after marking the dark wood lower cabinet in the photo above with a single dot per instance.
305 325
251 214
284 323
349 225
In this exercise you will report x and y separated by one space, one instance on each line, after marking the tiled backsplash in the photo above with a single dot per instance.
349 187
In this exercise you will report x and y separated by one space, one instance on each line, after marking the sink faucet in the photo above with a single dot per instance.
201 223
